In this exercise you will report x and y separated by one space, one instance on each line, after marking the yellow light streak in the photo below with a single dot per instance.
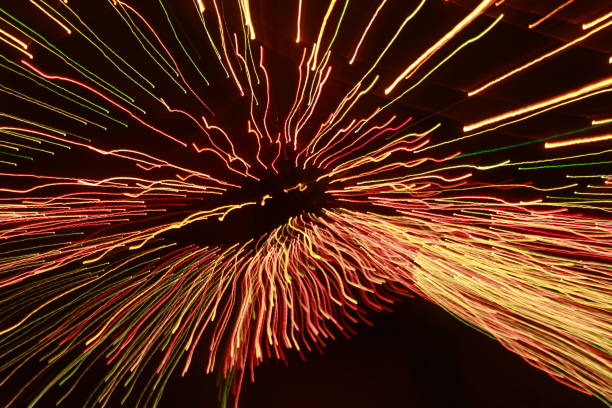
441 42
17 40
51 17
536 60
247 16
601 121
590 24
318 43
539 105
17 47
582 140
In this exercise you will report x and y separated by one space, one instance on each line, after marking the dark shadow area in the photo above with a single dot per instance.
418 356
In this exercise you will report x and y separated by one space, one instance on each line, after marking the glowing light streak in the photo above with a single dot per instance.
315 50
238 84
540 105
106 98
455 51
537 60
17 47
263 68
15 39
601 121
382 3
52 17
550 14
590 24
582 140
408 72
246 9
298 37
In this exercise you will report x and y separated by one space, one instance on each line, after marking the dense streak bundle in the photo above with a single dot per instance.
233 177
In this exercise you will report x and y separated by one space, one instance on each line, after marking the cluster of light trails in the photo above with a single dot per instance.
109 153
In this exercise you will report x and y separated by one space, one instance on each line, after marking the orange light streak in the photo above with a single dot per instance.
590 24
294 107
21 50
549 15
51 17
299 18
582 140
265 72
17 40
306 116
601 121
220 22
539 59
441 42
366 31
543 104
257 138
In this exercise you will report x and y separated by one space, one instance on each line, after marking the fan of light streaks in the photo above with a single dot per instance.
135 158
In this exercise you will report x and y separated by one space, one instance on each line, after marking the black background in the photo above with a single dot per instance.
418 356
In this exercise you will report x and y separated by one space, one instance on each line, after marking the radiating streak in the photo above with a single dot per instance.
455 51
590 24
106 98
15 39
51 17
219 21
383 52
601 121
17 47
246 10
298 37
315 49
549 15
582 140
458 139
363 35
408 72
539 105
537 60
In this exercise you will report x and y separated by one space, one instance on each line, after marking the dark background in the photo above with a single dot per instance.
418 356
